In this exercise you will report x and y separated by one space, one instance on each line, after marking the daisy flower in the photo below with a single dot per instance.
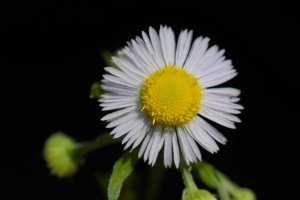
162 94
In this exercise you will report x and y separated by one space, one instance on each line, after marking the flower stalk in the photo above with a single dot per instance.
187 177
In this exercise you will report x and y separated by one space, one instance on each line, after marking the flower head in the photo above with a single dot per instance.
162 93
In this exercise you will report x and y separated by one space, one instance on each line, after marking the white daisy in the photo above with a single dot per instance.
163 92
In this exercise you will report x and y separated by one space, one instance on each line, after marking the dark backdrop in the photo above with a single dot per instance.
51 55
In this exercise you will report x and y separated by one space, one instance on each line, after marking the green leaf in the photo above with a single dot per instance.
207 173
106 55
121 170
96 90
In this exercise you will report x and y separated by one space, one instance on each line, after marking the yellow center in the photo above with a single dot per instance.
170 96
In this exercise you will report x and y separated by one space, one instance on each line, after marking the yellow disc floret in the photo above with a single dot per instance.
170 96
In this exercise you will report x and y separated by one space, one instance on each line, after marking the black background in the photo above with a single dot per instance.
51 55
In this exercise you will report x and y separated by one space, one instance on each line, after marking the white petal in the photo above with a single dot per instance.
216 76
218 104
168 147
221 114
147 53
140 132
144 131
218 120
224 91
128 68
219 81
196 54
115 96
135 130
147 152
148 43
135 60
144 55
212 131
199 134
156 46
118 106
114 86
200 65
118 114
161 142
233 100
124 128
183 47
187 155
150 49
116 100
184 136
171 45
212 57
145 143
220 98
122 75
117 80
121 90
129 116
175 149
193 146
139 62
219 65
224 109
156 141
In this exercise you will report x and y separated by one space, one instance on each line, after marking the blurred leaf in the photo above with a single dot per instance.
207 173
244 194
188 194
226 188
237 192
121 170
106 55
96 90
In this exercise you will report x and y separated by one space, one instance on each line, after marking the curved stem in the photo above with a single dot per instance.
89 146
187 177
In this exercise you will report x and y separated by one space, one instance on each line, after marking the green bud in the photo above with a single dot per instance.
189 194
96 90
59 155
244 194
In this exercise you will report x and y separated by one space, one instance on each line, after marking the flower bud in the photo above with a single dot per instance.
189 194
244 194
59 155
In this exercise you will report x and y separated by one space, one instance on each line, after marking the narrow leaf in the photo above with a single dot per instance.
121 170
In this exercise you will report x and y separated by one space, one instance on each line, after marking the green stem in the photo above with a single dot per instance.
89 146
223 193
231 186
187 177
